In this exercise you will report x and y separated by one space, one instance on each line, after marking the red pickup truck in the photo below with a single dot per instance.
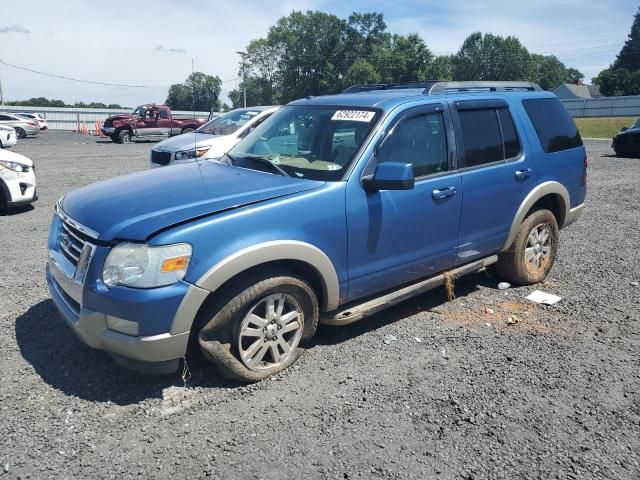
148 121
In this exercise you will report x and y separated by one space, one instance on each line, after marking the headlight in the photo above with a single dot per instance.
16 167
143 266
195 153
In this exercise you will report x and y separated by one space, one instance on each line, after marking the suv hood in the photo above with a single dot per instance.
135 206
15 157
186 141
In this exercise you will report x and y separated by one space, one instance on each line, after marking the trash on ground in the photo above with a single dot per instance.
539 296
390 338
512 320
487 324
443 352
633 284
504 285
417 339
489 311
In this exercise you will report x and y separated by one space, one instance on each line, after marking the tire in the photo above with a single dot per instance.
124 136
533 251
188 130
243 346
20 133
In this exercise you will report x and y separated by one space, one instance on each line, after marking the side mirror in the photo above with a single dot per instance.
390 176
624 129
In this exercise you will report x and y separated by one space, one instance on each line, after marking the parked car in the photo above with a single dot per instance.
627 142
22 126
8 137
17 180
147 122
42 122
332 209
212 140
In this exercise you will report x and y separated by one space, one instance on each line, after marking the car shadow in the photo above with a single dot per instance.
68 365
15 211
331 335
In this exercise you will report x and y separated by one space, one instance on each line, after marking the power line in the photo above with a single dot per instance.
75 79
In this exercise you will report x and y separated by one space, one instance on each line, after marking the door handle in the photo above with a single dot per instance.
442 193
522 174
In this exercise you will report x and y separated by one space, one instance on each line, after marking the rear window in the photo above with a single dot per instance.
552 122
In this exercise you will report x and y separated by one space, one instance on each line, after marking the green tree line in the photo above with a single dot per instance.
316 53
45 102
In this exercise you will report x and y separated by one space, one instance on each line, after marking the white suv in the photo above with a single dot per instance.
17 180
8 137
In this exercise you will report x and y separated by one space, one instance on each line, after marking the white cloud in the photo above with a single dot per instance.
160 48
15 29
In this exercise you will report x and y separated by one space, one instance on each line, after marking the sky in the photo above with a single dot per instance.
150 44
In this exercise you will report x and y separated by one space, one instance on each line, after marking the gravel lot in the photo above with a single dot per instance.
428 389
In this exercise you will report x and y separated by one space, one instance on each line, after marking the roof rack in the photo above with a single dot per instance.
388 86
444 87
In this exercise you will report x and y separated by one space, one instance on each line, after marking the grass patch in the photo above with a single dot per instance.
602 127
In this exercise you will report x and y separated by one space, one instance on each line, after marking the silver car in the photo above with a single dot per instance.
23 126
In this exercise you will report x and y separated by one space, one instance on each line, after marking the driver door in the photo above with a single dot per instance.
399 236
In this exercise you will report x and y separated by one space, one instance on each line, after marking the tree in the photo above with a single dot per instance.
259 92
547 71
629 56
404 59
440 68
361 72
492 57
573 75
199 92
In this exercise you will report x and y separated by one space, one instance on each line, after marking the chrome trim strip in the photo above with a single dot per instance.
78 226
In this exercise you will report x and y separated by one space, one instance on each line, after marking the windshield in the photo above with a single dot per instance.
636 124
311 142
229 122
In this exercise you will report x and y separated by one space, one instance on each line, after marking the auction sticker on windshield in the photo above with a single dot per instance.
354 115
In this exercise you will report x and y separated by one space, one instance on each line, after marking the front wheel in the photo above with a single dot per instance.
260 327
533 251
124 136
20 133
187 130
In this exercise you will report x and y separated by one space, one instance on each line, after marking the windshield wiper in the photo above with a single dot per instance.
261 160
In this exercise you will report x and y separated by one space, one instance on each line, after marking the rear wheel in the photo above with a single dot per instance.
260 327
533 252
20 133
187 130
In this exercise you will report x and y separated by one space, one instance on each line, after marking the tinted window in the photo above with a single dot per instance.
481 134
164 114
509 135
552 122
4 118
421 141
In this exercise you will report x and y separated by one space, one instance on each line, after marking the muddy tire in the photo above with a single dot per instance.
259 325
533 251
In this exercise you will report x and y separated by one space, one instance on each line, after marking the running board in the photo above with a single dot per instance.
369 307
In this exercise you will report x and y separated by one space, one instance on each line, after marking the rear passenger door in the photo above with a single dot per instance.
496 174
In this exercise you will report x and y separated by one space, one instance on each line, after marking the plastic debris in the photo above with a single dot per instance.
504 285
489 311
389 338
539 296
633 284
512 320
417 339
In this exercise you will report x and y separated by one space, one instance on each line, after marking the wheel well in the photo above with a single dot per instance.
297 267
554 203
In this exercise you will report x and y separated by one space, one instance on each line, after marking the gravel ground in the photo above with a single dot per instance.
428 389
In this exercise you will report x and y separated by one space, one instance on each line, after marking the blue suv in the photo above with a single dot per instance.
332 209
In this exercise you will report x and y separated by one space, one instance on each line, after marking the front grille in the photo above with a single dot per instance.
71 242
160 158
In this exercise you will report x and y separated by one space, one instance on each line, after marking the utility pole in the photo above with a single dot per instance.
244 77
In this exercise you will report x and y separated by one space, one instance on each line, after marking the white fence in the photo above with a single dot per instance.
68 118
604 106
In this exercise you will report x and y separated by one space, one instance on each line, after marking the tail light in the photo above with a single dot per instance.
34 123
584 174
